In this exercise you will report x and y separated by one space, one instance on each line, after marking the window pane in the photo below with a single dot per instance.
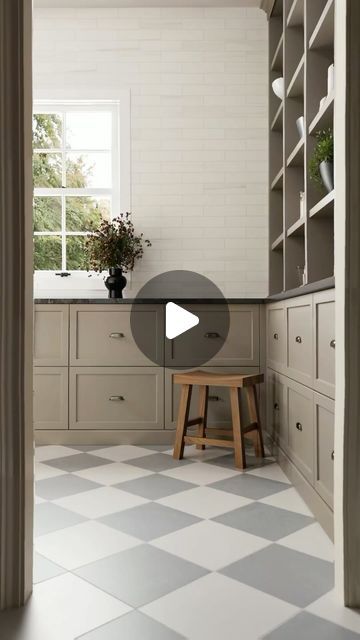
47 131
47 253
47 214
88 170
88 130
82 212
75 255
47 170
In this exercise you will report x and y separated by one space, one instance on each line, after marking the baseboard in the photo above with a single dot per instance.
93 437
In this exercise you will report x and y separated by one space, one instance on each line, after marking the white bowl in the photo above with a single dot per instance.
278 87
300 126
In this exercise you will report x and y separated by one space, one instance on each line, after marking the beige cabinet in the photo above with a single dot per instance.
51 397
301 428
116 398
324 341
276 336
324 447
277 421
51 335
241 349
101 335
300 339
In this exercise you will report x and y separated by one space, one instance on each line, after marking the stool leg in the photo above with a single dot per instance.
183 416
239 446
255 417
203 400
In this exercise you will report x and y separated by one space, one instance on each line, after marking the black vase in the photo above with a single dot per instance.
115 282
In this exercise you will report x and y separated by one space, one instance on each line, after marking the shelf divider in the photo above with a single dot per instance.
325 206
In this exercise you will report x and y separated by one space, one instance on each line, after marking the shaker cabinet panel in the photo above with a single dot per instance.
300 340
50 398
276 337
324 447
51 335
324 341
301 428
277 420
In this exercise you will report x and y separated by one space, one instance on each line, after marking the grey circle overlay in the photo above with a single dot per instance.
195 293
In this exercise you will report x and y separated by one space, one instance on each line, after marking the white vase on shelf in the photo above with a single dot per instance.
330 79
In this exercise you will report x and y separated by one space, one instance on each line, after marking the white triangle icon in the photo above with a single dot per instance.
178 320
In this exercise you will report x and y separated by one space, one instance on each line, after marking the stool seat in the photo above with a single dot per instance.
237 384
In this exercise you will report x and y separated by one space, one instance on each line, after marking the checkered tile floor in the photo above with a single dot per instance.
131 544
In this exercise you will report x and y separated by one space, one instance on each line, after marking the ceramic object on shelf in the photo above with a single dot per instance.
302 204
322 102
327 175
300 126
330 79
278 87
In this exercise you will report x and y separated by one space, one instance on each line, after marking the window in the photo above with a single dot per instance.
76 179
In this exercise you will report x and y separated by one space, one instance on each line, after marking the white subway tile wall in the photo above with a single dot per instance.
199 148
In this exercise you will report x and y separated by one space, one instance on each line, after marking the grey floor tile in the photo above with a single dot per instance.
157 462
155 487
61 486
89 447
132 626
250 486
252 462
44 569
50 517
264 521
140 575
149 521
286 574
157 447
309 627
77 462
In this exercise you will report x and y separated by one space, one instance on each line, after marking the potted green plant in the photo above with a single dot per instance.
321 166
115 246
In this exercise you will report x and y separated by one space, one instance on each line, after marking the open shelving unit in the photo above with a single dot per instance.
301 48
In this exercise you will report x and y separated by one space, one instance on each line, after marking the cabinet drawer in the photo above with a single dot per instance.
101 335
219 411
299 340
276 337
324 447
116 398
277 425
240 349
301 428
324 341
51 398
51 335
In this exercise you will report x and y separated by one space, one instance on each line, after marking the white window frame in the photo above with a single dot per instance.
119 192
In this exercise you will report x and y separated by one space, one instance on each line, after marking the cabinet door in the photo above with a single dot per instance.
324 343
301 428
277 425
299 340
51 398
51 335
116 398
324 447
276 337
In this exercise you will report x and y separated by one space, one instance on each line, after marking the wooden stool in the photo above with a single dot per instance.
234 382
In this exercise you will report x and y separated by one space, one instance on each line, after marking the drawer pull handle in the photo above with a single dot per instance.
298 339
214 398
276 406
212 334
276 336
299 426
116 398
332 344
116 334
332 455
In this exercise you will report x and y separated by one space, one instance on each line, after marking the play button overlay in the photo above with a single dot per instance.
180 320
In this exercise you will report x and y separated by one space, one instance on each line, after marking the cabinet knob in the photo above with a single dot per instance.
212 334
116 334
276 336
332 455
299 426
276 406
116 398
298 339
332 344
214 398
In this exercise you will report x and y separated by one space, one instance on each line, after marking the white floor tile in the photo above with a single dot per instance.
49 452
271 472
84 543
331 608
113 473
39 500
44 471
312 540
216 607
204 502
210 544
61 609
200 473
192 453
100 502
123 452
288 499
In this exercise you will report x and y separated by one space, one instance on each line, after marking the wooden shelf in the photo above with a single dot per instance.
277 123
325 117
296 84
325 206
296 157
277 245
277 183
323 34
297 229
277 61
296 14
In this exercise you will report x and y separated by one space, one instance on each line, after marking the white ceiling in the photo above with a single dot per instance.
145 3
